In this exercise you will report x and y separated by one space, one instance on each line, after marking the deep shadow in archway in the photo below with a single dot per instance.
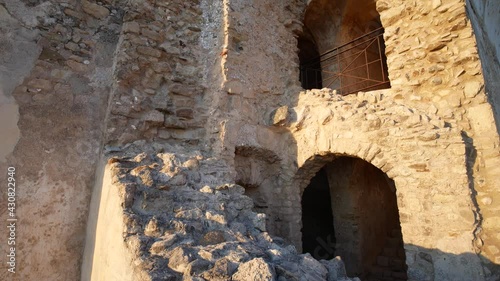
318 235
350 210
310 66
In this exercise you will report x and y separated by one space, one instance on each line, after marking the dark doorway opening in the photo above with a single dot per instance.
318 235
310 66
350 210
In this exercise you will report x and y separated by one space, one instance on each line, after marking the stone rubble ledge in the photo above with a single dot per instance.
181 224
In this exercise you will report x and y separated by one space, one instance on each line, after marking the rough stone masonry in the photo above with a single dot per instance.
172 140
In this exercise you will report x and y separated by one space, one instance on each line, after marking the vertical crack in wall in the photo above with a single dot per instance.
470 159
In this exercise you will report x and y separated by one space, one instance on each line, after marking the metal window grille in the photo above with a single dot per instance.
358 65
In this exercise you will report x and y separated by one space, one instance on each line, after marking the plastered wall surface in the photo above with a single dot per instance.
55 64
106 256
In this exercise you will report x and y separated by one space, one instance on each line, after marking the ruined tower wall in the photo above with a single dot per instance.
434 70
430 183
259 67
83 83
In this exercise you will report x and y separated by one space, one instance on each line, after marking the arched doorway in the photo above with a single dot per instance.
364 221
318 234
347 39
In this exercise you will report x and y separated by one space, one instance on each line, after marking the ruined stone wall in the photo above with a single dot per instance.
391 136
258 67
158 93
434 70
213 76
434 66
56 66
166 229
80 82
259 73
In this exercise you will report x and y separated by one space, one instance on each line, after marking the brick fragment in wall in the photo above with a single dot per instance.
149 51
185 113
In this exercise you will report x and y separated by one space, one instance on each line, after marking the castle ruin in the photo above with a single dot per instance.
252 140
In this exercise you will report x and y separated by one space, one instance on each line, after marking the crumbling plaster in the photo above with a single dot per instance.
18 52
485 19
56 63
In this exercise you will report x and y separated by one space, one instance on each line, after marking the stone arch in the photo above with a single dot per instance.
349 209
341 46
422 154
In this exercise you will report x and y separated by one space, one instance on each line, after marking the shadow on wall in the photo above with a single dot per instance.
426 265
423 264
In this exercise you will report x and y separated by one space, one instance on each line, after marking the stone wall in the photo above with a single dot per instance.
170 229
159 89
434 66
56 67
258 67
390 136
434 70
221 78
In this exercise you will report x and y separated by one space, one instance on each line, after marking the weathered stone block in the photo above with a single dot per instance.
256 269
131 27
180 258
472 88
279 116
149 51
154 116
94 9
41 84
185 113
